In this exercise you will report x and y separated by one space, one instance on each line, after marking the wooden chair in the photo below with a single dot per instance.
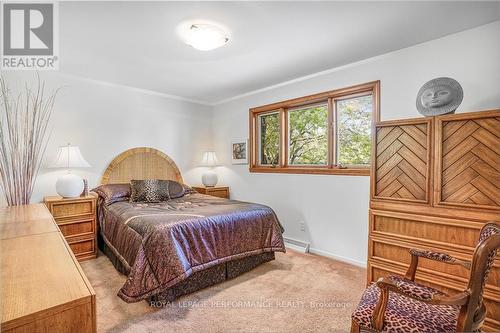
397 304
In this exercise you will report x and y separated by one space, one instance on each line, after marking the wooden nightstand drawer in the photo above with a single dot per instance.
82 248
221 193
68 209
77 228
216 191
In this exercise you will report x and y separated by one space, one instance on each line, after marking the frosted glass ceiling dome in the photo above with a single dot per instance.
203 35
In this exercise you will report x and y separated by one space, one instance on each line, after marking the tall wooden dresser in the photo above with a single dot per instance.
435 182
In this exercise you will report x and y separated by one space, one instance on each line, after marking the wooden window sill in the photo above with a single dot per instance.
314 170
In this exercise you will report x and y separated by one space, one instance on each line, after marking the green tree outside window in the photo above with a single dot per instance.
269 139
308 131
354 130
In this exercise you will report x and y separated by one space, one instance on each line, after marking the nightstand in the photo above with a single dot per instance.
216 191
76 218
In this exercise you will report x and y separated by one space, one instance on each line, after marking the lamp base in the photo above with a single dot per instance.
69 186
209 178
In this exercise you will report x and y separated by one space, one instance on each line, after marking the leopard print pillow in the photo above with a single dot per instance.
149 190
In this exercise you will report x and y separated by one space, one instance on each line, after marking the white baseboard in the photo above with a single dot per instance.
337 257
296 244
304 247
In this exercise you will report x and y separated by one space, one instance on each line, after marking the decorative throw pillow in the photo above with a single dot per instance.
112 193
188 189
175 189
149 190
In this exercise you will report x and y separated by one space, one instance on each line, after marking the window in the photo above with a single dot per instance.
308 135
269 133
324 133
354 130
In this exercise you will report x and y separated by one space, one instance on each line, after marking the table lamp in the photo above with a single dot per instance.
209 177
69 185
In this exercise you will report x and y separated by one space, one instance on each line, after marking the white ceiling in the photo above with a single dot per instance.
135 43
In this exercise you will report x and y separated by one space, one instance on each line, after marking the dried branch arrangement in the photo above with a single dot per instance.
24 122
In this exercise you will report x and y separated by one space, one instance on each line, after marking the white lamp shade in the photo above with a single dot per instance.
69 157
209 159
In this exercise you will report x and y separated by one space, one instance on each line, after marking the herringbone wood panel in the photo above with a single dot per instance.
401 162
471 162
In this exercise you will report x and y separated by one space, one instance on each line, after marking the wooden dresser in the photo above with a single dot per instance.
76 218
43 288
435 182
216 191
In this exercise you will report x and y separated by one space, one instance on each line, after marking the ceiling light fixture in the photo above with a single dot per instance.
203 36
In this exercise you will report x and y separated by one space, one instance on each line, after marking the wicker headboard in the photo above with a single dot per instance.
141 163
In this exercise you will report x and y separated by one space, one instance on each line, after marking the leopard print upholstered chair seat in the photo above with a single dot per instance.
405 314
399 304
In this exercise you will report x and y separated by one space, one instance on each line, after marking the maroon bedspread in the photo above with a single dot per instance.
162 244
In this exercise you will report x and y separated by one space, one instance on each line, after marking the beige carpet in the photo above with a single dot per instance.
294 293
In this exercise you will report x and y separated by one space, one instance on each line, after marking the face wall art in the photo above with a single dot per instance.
439 96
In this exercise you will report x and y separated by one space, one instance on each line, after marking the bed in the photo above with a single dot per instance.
176 247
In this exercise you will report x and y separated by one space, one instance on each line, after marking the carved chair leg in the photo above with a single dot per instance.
355 327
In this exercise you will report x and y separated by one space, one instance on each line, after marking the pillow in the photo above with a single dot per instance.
112 193
177 190
188 189
149 190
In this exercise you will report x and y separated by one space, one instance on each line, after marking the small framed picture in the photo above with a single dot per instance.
239 151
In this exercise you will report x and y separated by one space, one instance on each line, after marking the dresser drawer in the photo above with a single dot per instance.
77 228
68 209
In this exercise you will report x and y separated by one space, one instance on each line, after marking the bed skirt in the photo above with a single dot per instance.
198 280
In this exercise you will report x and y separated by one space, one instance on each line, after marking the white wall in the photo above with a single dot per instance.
335 208
103 120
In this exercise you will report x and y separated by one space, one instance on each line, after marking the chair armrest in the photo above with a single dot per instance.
431 255
426 295
437 256
386 285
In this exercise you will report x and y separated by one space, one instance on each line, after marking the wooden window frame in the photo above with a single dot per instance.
372 88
